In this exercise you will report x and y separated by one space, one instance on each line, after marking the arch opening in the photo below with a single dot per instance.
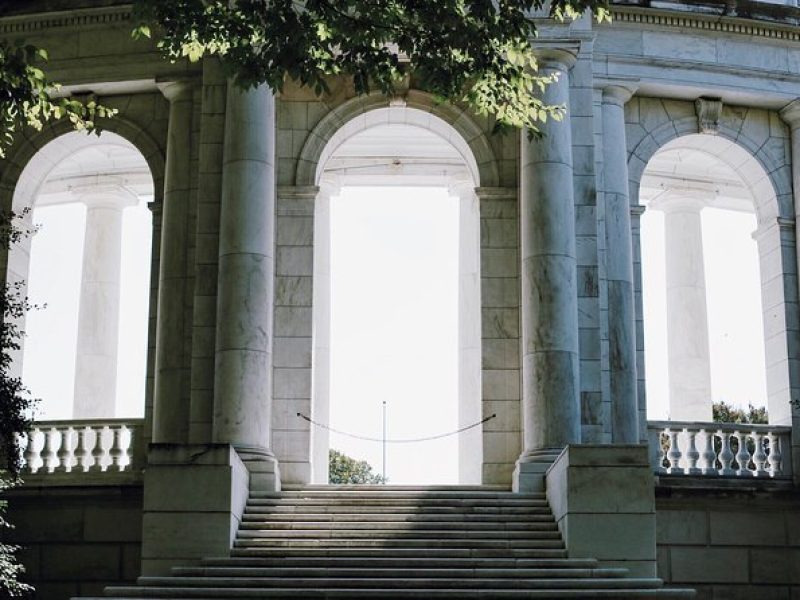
397 296
712 282
88 263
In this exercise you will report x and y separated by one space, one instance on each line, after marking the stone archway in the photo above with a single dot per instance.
302 209
750 182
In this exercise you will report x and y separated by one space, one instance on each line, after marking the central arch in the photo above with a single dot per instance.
401 144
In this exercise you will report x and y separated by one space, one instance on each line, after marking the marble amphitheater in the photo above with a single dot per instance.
571 491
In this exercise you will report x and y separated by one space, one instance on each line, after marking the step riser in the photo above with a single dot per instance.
398 573
410 563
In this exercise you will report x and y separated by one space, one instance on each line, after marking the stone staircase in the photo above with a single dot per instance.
397 542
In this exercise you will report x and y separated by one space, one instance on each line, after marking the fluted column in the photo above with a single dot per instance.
243 377
619 269
687 319
550 366
98 316
171 403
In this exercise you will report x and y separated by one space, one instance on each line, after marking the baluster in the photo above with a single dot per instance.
692 455
48 454
726 454
64 453
116 448
674 454
82 455
709 457
660 438
128 451
775 457
743 455
30 455
759 455
97 450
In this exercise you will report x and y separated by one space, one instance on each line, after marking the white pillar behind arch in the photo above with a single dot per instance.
98 316
470 446
687 314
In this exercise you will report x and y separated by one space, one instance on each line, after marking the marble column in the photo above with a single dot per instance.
550 365
470 443
171 402
687 319
619 269
98 316
243 357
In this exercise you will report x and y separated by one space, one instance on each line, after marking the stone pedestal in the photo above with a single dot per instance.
243 361
687 319
603 499
98 317
550 364
194 498
619 270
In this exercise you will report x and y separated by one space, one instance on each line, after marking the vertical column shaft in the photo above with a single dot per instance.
243 378
171 403
550 368
98 317
687 318
619 269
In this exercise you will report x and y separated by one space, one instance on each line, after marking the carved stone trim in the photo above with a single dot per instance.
683 20
708 111
90 17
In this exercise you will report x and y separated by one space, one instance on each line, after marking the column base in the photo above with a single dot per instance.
531 468
263 467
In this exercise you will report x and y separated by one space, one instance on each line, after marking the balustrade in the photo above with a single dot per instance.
96 446
720 449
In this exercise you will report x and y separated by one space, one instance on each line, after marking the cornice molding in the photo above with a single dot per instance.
685 20
81 17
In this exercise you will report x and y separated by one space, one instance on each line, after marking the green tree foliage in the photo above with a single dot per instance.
473 51
727 413
27 95
16 403
343 469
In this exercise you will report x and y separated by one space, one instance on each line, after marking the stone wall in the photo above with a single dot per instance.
730 544
77 540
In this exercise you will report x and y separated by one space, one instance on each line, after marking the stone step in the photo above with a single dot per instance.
400 533
423 594
523 517
293 509
410 561
398 571
417 542
410 494
397 505
377 552
429 524
244 583
314 487
191 593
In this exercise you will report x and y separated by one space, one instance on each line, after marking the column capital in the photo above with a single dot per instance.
682 200
619 93
177 90
555 57
104 195
791 113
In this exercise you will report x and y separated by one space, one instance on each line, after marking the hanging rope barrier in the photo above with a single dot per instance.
395 441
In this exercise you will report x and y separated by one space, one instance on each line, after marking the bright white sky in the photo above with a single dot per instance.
394 319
